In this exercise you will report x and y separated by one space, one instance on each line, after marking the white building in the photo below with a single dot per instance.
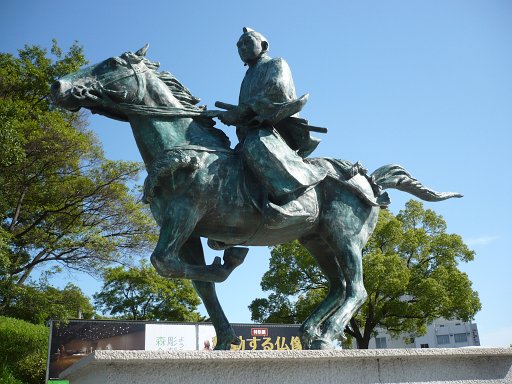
440 334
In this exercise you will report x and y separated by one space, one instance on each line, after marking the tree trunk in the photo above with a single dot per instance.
362 343
18 209
29 268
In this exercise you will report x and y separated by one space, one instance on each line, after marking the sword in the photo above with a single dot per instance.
302 123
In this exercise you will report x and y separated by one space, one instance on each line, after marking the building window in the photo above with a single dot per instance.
443 339
423 345
461 337
380 342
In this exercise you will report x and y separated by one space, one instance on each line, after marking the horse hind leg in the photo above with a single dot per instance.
346 225
192 253
311 328
349 257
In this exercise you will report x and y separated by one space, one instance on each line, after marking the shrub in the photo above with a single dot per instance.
6 376
23 351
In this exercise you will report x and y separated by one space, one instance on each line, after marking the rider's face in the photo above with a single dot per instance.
249 48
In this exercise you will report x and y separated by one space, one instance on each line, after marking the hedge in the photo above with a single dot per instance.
23 350
6 376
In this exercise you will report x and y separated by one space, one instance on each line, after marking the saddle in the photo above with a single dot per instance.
355 177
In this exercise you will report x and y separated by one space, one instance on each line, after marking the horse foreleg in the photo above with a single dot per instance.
311 328
192 253
176 226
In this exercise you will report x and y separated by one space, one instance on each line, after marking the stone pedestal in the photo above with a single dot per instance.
450 366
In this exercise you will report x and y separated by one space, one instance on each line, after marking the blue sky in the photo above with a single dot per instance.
426 84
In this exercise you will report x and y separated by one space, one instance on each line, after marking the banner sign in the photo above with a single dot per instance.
76 339
267 337
170 337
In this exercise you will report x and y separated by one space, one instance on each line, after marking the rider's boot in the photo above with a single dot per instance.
285 212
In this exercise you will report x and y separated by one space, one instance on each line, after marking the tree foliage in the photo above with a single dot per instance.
140 293
61 201
410 273
38 303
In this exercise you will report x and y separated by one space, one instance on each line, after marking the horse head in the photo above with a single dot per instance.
109 87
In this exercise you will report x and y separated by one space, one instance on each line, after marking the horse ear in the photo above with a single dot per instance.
143 50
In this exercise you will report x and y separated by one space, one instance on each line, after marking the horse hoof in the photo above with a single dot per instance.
308 335
235 256
321 344
222 347
224 343
216 261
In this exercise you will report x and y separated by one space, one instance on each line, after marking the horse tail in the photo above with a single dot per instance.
396 177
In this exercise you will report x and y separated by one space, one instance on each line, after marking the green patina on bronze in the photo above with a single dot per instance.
264 192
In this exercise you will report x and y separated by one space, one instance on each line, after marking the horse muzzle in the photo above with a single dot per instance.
70 96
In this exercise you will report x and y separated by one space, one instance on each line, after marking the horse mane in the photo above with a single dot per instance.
179 91
188 100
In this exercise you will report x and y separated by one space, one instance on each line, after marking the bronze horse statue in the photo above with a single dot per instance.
197 187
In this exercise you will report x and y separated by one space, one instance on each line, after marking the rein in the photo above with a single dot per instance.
163 111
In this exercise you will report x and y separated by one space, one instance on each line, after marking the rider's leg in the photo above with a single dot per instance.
278 167
283 173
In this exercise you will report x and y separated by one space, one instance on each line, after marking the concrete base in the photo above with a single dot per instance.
453 366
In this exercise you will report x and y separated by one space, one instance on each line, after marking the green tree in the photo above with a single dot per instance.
410 274
62 203
38 303
140 293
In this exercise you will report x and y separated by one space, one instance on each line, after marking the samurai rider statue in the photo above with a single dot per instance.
272 139
197 188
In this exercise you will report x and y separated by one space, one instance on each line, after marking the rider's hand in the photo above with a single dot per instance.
231 117
239 115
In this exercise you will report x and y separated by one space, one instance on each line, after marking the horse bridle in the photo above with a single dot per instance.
136 70
135 106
